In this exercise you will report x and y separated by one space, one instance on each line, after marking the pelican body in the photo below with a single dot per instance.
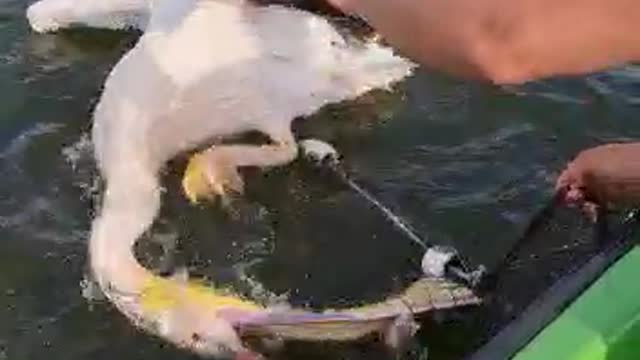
205 70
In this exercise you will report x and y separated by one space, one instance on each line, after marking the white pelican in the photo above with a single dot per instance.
204 70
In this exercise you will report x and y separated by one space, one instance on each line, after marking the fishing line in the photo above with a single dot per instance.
445 262
395 219
437 261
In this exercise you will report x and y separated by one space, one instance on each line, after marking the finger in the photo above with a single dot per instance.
591 211
574 196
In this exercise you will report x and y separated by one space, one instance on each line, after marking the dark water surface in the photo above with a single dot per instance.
463 163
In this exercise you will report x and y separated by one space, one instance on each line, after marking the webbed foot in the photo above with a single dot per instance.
211 174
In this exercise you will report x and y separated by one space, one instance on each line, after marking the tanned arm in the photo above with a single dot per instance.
507 41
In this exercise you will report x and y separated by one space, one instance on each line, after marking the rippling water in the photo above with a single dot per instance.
463 163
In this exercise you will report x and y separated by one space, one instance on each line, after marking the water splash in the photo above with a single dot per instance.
79 156
257 290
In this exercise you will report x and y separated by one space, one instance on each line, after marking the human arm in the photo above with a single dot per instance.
507 41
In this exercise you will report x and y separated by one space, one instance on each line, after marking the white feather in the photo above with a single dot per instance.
202 69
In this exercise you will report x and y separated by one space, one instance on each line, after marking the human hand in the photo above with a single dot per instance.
607 175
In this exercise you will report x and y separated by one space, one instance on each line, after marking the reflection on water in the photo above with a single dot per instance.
464 164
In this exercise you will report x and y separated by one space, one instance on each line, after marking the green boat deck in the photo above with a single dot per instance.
602 324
